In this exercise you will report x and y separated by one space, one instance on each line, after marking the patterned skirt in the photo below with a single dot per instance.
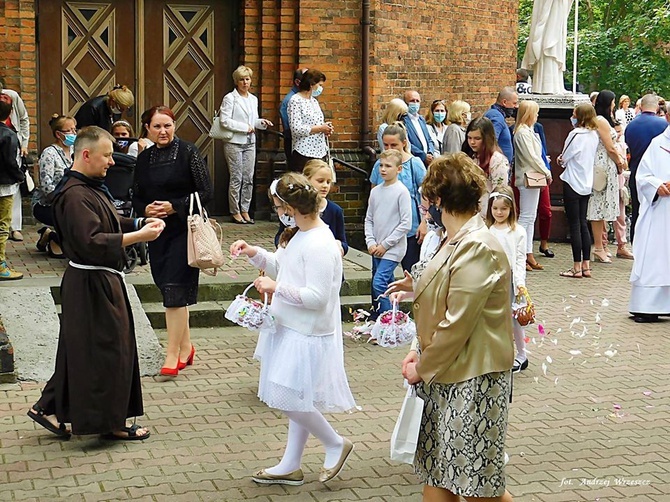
461 445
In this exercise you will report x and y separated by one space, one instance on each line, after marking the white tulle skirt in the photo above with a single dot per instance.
303 373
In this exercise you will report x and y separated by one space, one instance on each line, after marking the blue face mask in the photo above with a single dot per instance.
413 108
439 117
573 121
317 92
69 139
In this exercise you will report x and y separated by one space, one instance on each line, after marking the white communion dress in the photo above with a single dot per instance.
302 359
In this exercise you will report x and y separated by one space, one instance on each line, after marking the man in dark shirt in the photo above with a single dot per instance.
504 107
639 133
283 112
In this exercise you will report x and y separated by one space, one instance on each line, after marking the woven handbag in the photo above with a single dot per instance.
523 309
204 247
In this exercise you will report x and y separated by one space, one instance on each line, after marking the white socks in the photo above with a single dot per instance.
301 425
519 341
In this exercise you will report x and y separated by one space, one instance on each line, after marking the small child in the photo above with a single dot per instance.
320 176
388 219
501 220
121 130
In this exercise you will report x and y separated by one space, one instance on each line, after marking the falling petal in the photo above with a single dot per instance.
537 379
597 354
649 406
554 341
638 349
549 359
575 352
567 308
597 317
576 320
526 339
573 296
647 393
559 330
617 406
556 381
605 302
533 340
544 368
540 330
611 353
591 302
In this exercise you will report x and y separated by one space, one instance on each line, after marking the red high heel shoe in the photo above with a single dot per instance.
165 371
189 360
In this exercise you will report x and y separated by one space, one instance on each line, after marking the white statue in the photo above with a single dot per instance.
545 51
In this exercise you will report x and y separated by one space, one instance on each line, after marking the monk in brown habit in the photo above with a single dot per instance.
96 384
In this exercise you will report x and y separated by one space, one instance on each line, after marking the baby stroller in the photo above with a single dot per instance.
119 181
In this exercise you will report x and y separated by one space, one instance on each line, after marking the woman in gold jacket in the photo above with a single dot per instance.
461 366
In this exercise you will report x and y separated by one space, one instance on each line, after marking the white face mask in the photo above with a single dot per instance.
287 221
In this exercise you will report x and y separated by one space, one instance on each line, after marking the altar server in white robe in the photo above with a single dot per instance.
650 277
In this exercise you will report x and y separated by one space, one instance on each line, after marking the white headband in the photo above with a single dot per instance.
273 190
498 194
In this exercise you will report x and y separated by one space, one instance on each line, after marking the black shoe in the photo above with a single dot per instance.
547 252
238 222
519 366
645 318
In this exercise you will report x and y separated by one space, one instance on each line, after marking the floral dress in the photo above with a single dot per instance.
604 205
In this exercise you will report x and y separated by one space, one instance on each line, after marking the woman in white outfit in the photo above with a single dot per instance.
239 113
528 159
302 363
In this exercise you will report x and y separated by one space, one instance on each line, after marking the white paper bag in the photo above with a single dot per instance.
406 432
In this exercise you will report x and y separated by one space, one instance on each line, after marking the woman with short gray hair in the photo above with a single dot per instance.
239 113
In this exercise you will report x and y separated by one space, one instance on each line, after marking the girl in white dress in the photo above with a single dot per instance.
302 362
501 220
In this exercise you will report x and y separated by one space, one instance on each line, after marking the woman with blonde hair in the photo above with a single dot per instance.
458 117
239 113
528 160
393 112
103 110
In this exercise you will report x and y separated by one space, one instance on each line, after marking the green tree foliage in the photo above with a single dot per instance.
623 45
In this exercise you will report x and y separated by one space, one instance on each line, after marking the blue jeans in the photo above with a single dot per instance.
382 276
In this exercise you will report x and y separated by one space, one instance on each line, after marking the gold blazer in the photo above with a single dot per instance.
462 308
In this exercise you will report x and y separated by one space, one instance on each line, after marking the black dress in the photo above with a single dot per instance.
171 174
95 112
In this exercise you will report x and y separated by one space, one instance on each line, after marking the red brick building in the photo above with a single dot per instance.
58 53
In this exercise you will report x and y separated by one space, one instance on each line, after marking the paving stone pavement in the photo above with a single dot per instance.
590 419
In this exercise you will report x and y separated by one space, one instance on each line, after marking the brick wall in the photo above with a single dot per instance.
18 65
455 49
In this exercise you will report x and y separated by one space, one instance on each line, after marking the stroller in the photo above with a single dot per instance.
119 181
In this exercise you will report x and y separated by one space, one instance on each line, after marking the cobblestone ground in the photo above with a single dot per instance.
590 418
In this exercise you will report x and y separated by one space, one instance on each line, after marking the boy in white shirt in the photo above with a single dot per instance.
388 219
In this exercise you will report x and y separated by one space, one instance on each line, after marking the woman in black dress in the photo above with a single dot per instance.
165 175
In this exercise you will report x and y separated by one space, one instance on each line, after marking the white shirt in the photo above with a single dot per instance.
579 157
309 276
514 244
419 132
303 114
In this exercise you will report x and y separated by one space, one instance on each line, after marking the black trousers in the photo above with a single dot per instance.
412 254
43 214
575 212
635 203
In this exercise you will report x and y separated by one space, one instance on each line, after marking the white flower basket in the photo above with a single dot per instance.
250 313
393 328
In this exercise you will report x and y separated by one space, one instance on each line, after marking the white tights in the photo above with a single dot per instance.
519 341
300 426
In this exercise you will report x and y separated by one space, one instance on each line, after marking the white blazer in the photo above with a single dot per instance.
237 114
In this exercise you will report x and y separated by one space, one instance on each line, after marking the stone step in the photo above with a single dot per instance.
210 314
227 291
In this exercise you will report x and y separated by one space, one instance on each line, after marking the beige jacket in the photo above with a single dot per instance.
462 308
527 154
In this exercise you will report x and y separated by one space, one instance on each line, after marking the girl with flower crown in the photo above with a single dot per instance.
302 363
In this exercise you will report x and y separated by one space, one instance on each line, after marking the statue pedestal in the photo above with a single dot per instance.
555 113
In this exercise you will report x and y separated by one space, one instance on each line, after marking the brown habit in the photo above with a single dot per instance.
96 383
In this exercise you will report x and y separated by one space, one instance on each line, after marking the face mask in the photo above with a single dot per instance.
115 110
510 112
122 143
468 117
436 215
413 108
573 121
69 139
287 221
317 92
439 117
